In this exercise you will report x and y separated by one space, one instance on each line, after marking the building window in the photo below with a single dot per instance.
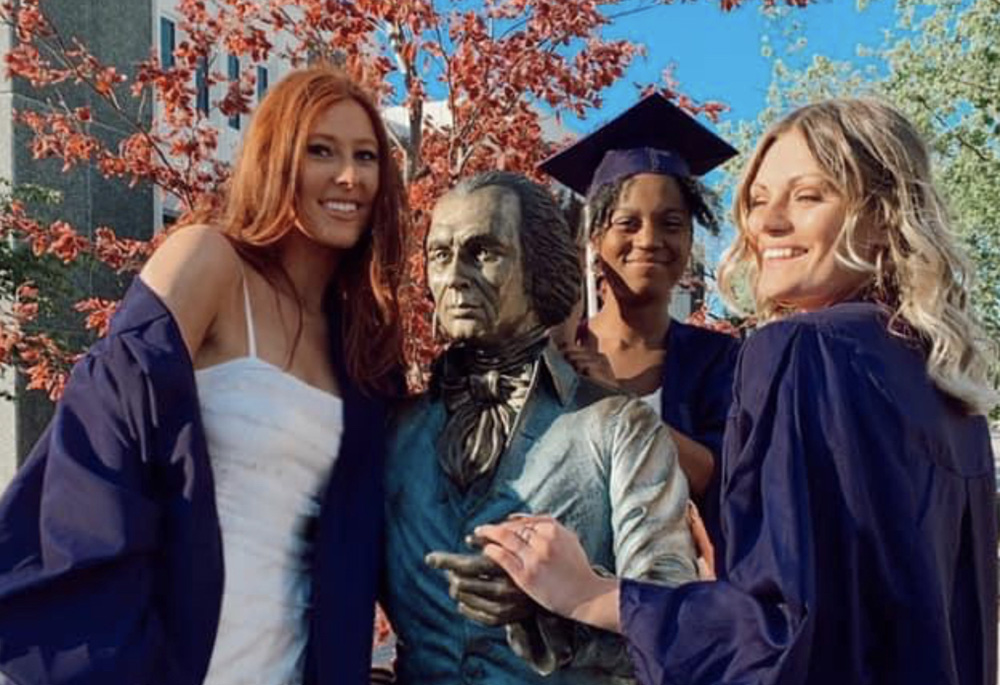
201 84
261 83
234 77
167 42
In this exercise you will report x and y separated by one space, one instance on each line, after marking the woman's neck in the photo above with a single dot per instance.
310 268
640 325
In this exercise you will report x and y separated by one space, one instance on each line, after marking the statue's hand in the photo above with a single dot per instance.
484 592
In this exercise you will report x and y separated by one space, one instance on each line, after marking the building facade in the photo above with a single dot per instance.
123 34
120 33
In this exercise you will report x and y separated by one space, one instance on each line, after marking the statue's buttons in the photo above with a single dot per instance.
472 669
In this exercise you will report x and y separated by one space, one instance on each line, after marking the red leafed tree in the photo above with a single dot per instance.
492 67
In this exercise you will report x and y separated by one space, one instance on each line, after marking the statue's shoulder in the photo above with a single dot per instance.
575 391
603 405
410 402
411 409
414 425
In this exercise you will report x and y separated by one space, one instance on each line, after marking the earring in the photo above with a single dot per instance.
434 325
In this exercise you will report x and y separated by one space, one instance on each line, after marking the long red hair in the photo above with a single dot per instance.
259 210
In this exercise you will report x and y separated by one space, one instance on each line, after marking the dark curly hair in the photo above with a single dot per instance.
552 270
699 199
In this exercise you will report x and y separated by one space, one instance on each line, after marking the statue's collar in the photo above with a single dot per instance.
562 376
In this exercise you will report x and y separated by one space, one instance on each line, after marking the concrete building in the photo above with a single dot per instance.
123 34
120 33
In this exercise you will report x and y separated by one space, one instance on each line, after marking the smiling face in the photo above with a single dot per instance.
647 244
795 219
338 176
474 267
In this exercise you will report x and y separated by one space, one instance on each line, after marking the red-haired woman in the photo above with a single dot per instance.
205 506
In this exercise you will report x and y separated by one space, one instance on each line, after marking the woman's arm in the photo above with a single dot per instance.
696 461
194 272
85 565
98 527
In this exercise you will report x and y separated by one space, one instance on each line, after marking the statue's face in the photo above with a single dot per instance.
474 267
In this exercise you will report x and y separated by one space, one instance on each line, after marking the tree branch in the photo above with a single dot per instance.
59 53
944 122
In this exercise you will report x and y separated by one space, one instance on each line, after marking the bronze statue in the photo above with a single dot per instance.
508 427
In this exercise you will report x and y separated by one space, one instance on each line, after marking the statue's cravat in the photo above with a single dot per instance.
483 391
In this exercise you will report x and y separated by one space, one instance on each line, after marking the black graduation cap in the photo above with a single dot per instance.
653 136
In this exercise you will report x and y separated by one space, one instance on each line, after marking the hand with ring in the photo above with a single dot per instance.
546 560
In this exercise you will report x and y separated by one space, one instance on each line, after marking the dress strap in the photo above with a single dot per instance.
248 314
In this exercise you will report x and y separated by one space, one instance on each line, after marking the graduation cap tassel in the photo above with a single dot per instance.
589 273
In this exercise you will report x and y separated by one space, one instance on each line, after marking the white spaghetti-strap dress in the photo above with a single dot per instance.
272 440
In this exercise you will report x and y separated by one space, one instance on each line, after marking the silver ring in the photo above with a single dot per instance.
525 532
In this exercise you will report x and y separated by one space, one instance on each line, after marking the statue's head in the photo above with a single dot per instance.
501 259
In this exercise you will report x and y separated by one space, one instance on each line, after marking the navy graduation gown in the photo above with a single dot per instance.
858 514
697 391
110 548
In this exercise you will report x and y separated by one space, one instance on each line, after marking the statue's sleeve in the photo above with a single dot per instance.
648 495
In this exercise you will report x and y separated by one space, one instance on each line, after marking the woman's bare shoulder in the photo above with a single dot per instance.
194 271
199 251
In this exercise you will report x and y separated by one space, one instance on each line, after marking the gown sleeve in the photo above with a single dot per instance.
79 538
819 507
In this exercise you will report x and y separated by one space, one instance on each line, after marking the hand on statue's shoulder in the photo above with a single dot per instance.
193 271
590 363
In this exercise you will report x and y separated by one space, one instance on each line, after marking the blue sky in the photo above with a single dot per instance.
718 55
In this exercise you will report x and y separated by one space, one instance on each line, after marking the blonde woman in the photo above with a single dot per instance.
858 487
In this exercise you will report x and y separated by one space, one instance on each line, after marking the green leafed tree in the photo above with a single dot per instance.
30 332
940 65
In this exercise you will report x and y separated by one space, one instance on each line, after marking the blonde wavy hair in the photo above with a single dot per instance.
878 161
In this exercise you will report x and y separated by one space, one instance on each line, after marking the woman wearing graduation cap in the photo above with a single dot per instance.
643 198
858 480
